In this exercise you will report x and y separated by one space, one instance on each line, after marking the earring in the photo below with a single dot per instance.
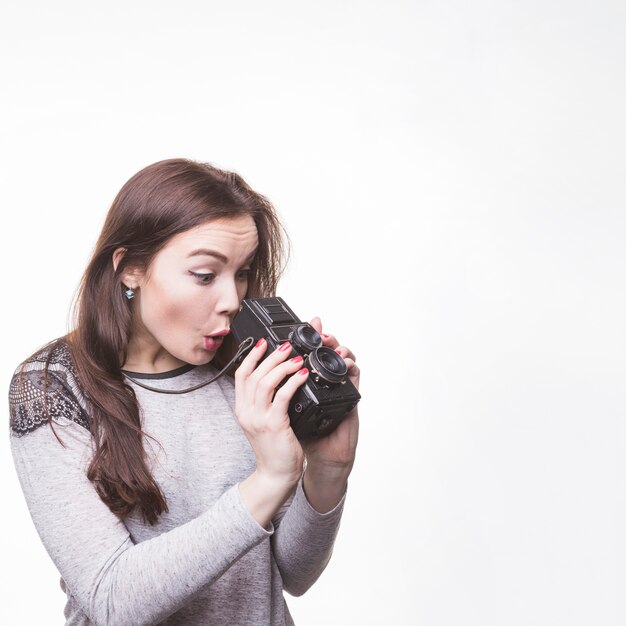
130 293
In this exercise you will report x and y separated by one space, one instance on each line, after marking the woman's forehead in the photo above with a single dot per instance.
232 236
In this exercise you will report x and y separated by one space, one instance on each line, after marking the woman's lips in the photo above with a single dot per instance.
213 342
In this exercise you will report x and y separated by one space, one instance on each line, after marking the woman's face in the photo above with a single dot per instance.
189 295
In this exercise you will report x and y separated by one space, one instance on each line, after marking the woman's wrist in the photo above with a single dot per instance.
324 486
263 495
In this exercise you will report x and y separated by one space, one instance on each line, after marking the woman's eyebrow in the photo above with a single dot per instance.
219 256
206 252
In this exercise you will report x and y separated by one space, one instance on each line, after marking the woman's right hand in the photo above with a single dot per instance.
262 414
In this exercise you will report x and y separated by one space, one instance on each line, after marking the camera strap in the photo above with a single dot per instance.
244 346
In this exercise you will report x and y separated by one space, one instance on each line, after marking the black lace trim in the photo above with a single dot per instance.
45 388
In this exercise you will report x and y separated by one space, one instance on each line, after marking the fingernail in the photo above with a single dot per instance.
296 359
338 350
285 346
325 335
259 342
303 371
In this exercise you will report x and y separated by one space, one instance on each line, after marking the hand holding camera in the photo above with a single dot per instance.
342 448
329 394
295 382
262 411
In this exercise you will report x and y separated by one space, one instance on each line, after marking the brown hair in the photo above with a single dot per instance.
160 201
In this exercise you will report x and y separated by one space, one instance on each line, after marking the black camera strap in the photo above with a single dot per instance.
244 346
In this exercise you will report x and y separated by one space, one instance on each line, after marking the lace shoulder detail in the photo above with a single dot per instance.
44 388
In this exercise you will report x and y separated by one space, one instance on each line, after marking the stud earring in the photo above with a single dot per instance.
130 293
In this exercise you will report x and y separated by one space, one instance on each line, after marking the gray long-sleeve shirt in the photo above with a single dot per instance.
206 561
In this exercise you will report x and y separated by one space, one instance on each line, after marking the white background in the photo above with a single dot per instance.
452 178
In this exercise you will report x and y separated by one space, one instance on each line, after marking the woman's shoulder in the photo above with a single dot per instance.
55 352
44 387
55 356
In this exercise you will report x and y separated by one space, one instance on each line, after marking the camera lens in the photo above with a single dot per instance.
305 337
328 364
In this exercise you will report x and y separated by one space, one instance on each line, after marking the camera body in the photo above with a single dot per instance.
319 405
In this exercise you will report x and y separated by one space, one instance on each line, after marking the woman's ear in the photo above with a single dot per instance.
130 275
117 257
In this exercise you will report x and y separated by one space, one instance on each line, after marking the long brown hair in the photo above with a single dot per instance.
157 203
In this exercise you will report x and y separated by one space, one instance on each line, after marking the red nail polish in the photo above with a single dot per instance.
303 371
338 351
259 342
296 359
285 346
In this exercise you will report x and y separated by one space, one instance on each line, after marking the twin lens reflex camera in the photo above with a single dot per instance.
318 406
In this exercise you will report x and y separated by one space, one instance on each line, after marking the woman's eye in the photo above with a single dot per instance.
205 279
243 274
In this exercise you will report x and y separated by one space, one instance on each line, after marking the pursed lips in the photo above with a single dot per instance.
214 341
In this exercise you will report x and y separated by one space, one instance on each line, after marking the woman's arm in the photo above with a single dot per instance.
304 538
114 580
303 542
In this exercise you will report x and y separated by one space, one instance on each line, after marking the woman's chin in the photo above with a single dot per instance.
202 357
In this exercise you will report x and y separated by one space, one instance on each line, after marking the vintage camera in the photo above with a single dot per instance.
319 405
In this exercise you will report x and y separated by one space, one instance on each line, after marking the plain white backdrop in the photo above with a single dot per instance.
452 176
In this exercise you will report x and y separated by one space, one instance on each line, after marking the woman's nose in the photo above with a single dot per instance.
229 300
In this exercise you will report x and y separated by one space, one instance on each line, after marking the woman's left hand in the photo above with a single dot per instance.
329 459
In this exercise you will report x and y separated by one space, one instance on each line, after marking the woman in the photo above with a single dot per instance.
190 508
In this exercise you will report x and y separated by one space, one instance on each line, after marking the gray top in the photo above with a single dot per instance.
207 560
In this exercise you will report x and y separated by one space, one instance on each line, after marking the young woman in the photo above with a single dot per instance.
191 508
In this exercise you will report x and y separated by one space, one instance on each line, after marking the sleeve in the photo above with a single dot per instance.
303 541
114 580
